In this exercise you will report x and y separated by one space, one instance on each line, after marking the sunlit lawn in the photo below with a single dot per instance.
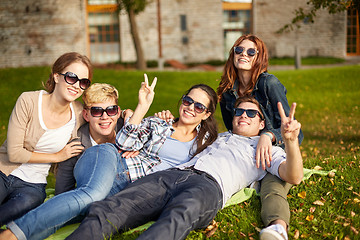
328 108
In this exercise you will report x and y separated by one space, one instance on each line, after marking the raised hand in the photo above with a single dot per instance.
146 92
290 127
146 97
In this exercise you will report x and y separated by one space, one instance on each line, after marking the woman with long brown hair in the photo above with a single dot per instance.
40 127
245 73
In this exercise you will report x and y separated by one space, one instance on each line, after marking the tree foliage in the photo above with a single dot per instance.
332 6
135 5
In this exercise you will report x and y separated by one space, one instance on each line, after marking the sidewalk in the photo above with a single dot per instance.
348 61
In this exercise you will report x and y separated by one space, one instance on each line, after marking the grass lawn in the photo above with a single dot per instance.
328 108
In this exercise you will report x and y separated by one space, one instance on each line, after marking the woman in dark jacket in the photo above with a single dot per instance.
245 73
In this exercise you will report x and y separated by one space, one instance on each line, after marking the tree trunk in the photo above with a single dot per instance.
140 63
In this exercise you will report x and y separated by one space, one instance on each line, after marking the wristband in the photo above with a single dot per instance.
268 134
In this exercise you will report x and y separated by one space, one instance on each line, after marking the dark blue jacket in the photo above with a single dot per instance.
268 91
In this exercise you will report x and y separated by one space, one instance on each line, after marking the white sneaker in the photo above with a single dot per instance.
273 232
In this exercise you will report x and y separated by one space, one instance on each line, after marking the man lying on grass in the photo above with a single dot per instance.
185 198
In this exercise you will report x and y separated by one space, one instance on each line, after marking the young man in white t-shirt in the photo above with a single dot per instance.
185 198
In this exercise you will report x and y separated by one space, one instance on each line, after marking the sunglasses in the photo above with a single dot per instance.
99 111
72 78
198 107
250 51
251 113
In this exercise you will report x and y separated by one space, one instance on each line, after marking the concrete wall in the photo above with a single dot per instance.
326 37
36 32
204 33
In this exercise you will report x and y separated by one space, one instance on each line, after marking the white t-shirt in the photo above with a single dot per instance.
52 141
231 161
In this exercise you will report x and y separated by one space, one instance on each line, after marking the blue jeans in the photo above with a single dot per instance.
17 197
97 171
178 200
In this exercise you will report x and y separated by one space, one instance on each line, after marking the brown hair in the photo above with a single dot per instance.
250 99
230 73
208 128
61 63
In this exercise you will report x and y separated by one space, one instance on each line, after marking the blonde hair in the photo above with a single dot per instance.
100 92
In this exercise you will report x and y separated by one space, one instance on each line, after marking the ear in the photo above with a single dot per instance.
262 125
56 77
119 113
207 114
85 114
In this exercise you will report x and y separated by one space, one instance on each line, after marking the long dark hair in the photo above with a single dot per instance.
230 73
208 131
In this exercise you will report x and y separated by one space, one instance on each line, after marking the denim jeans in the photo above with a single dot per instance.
17 197
95 173
178 200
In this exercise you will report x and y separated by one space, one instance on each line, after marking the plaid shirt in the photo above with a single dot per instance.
147 138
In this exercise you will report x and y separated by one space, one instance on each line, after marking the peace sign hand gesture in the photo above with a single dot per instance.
290 127
146 97
146 92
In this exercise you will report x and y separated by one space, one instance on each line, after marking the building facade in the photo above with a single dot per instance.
36 32
325 37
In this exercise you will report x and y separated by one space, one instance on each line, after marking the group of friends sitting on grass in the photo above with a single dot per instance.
116 170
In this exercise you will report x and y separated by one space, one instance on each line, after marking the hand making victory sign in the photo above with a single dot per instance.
146 97
146 92
290 127
292 169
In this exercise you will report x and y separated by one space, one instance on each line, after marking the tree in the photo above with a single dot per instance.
134 7
332 6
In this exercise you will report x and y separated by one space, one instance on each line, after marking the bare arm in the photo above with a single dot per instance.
292 169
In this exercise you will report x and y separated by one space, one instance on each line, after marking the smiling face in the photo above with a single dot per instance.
246 126
67 91
188 115
102 128
243 61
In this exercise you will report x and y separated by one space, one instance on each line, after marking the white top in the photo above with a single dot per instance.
52 141
93 143
231 161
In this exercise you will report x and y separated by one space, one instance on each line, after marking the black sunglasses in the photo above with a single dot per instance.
250 51
99 111
198 107
251 113
72 78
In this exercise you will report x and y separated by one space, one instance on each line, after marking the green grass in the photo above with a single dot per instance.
328 108
306 61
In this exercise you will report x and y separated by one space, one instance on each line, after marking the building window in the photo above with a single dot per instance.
100 32
101 2
353 35
183 25
237 20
